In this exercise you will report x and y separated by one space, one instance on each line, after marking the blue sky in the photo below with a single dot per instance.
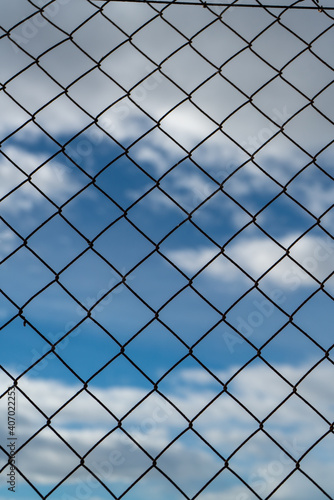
158 221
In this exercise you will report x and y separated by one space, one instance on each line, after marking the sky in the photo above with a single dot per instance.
165 194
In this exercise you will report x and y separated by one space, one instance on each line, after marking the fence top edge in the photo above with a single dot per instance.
201 3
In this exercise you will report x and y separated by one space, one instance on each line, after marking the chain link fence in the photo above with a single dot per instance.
166 249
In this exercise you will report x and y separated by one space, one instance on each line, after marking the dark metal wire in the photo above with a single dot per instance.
93 180
200 3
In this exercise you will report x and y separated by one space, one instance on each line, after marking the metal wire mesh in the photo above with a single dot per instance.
71 155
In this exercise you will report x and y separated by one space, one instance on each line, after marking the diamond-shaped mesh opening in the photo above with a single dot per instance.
190 477
166 249
54 448
293 342
82 430
105 349
274 466
111 245
150 349
228 414
190 387
225 344
309 429
128 462
124 182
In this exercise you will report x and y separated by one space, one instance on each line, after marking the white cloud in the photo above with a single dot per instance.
7 242
249 185
257 255
55 181
156 158
224 424
315 196
187 189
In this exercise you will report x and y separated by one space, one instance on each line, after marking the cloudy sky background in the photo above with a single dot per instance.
130 85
